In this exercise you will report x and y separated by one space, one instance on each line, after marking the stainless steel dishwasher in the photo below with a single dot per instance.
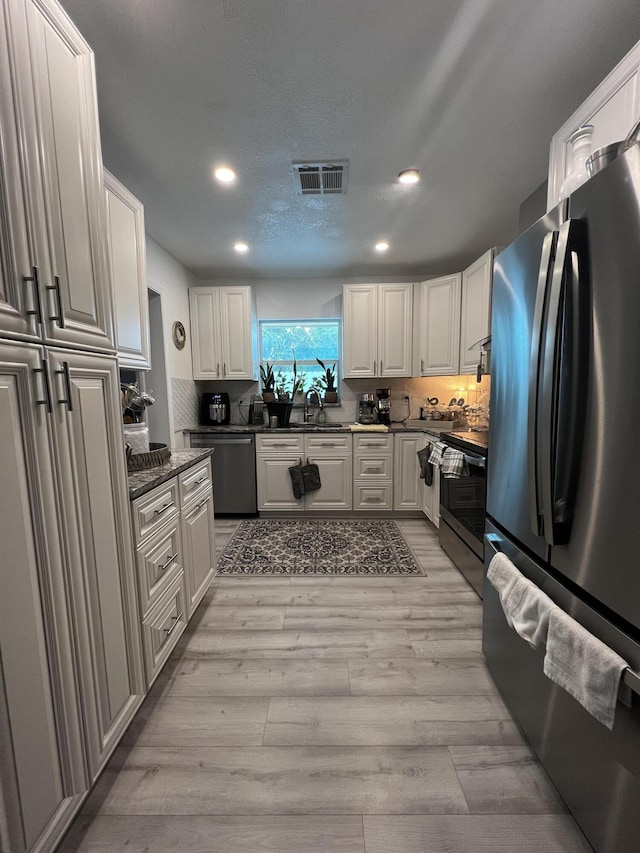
234 471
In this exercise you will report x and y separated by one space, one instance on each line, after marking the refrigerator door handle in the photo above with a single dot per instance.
533 460
563 333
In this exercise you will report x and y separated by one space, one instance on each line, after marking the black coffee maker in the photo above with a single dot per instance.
215 409
383 405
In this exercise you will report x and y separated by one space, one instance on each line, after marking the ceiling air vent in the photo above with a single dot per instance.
327 178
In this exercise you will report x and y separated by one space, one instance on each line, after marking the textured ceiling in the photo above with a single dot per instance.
468 91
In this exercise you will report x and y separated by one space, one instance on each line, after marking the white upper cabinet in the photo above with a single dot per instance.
612 109
437 326
125 230
475 320
62 173
377 330
223 332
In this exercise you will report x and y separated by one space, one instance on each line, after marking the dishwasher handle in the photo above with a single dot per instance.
212 442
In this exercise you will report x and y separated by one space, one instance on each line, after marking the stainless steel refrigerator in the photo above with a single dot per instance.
563 480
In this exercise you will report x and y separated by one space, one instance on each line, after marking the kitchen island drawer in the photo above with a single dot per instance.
162 627
195 479
158 562
280 443
373 441
151 511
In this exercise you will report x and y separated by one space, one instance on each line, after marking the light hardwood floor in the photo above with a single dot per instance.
317 715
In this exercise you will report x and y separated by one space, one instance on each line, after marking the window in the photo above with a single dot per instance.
282 342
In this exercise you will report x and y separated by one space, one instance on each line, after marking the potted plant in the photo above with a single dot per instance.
268 382
328 382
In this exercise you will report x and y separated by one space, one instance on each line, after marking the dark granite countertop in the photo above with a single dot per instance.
478 441
141 482
409 426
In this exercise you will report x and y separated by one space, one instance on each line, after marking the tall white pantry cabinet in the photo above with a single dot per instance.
71 672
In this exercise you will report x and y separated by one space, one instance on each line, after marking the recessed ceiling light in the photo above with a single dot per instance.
225 175
382 246
409 176
241 248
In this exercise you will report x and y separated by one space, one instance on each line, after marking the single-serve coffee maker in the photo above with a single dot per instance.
367 412
383 405
215 409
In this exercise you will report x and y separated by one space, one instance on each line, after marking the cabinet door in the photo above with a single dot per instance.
236 329
199 547
125 230
336 476
41 758
64 155
407 485
437 327
18 283
275 491
93 493
204 310
359 330
475 321
394 329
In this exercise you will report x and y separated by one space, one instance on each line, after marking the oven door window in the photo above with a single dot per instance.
464 497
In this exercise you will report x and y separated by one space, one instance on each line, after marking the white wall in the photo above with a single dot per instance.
172 281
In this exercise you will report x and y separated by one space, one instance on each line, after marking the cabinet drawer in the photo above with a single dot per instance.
321 442
163 627
373 441
194 479
367 496
158 562
281 442
154 509
372 466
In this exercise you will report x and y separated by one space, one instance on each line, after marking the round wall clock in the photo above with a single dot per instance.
179 335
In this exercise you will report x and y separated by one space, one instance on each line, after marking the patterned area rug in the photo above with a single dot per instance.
322 547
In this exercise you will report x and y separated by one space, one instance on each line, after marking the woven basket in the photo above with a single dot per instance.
158 454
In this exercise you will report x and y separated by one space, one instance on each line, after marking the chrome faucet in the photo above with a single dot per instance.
308 415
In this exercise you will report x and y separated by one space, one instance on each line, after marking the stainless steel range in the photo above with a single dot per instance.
462 506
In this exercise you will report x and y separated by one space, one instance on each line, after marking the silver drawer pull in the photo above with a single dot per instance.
55 287
166 565
329 444
202 503
201 480
162 509
373 470
176 622
372 500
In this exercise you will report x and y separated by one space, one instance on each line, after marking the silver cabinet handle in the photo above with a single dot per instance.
166 565
376 469
224 368
162 509
201 480
372 500
35 278
422 365
64 371
218 369
44 369
176 622
380 367
374 367
59 317
202 503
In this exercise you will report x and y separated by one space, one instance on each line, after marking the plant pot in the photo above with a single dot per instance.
268 396
281 410
331 396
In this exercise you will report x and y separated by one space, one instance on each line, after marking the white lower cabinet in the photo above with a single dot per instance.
407 485
198 537
69 650
174 538
331 453
373 472
431 494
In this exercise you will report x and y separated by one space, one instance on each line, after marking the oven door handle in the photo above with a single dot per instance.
478 461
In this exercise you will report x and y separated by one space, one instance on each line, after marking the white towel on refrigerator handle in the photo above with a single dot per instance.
583 666
526 607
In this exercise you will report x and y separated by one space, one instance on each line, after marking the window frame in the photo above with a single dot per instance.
301 362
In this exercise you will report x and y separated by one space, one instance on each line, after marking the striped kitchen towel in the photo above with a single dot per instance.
454 464
438 450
